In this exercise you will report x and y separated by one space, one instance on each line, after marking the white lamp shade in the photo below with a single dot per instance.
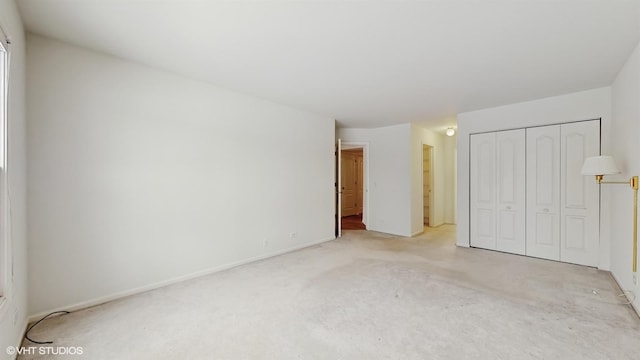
599 165
450 131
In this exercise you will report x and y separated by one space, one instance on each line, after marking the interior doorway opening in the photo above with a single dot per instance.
352 195
352 181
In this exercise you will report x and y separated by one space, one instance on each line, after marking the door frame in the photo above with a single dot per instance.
345 145
338 190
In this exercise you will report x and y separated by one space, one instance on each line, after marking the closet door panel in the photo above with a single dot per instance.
580 214
575 144
575 228
543 192
483 191
510 150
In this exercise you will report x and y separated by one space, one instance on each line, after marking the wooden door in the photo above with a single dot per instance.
482 228
510 173
580 205
543 192
349 185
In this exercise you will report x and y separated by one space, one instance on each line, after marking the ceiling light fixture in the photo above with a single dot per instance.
450 131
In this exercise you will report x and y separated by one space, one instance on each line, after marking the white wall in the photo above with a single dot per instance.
625 125
585 105
139 178
389 176
13 312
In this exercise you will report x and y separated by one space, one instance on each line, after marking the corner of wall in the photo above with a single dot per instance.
624 130
13 313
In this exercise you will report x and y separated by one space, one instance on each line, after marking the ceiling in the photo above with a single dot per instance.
364 63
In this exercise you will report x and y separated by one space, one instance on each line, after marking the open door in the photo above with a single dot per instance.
339 189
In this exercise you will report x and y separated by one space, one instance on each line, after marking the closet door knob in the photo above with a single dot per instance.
508 207
545 210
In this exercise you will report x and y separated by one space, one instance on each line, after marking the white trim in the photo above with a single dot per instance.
5 40
4 306
633 305
6 251
339 187
175 280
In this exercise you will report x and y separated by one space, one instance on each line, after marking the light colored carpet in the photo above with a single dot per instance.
366 296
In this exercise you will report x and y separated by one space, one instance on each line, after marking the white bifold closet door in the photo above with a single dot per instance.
580 195
510 151
562 205
543 192
498 191
483 191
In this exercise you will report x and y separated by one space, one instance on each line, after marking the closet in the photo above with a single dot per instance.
497 191
528 197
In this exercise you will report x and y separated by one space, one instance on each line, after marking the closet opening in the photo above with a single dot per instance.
427 184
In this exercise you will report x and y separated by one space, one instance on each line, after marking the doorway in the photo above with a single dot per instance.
427 183
352 180
361 191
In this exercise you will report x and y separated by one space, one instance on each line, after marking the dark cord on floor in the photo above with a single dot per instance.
26 335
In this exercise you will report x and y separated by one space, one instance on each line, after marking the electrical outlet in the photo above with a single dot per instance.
265 243
293 236
635 279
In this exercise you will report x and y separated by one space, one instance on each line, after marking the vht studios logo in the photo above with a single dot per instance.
45 350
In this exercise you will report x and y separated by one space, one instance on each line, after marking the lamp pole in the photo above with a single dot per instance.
634 185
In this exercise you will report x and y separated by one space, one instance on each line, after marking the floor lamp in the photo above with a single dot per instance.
605 165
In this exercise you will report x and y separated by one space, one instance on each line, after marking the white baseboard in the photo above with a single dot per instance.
25 324
613 276
174 280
